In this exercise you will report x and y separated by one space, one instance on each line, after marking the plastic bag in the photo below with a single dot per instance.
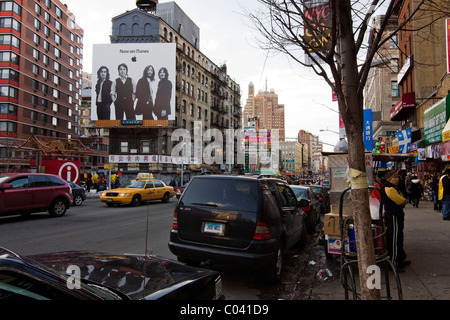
374 208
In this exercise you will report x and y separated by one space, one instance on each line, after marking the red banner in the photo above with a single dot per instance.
447 28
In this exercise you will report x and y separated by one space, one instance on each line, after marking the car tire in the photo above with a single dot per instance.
166 197
77 200
58 207
136 201
273 273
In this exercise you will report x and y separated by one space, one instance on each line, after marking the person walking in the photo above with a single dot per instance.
408 186
444 193
394 219
416 191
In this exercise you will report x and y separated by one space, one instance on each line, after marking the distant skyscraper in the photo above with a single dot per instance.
264 111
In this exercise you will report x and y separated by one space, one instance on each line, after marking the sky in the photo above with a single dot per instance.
227 35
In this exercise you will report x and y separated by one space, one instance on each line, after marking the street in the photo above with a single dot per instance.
96 227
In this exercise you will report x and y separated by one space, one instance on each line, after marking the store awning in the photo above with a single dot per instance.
406 102
446 132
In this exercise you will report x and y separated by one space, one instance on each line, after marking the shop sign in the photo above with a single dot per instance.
407 101
435 119
368 130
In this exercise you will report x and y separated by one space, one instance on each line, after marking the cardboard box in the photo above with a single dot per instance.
331 224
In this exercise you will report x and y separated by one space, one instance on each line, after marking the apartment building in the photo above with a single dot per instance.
41 56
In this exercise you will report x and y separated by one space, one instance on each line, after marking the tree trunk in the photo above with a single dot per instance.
351 109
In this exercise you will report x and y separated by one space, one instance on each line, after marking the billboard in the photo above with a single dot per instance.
133 83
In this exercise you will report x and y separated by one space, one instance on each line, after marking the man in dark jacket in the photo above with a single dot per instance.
394 219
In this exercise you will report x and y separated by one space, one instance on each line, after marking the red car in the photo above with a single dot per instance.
26 193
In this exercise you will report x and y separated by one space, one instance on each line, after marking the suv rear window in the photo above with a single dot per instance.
226 194
54 181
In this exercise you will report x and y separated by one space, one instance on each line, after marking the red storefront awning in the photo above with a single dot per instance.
406 102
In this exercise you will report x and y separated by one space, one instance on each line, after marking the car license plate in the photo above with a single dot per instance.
109 200
216 228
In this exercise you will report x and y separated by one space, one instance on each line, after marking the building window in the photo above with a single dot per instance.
36 39
37 24
54 121
6 108
394 89
57 39
6 126
124 147
37 9
58 12
145 147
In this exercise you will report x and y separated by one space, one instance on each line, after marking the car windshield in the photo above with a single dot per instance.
135 184
316 189
300 193
225 194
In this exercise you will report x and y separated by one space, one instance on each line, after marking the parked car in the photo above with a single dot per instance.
138 191
179 190
82 275
235 220
78 193
326 184
313 207
323 195
26 193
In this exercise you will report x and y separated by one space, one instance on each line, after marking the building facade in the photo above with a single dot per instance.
206 96
41 54
381 90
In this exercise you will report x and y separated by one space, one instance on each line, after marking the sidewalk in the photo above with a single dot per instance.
427 244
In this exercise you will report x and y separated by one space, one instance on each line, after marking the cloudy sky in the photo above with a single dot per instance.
228 35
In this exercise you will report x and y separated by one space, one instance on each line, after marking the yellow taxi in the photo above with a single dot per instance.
138 191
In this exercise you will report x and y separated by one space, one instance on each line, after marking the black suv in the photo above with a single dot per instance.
236 220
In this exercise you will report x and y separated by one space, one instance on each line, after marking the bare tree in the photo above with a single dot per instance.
329 37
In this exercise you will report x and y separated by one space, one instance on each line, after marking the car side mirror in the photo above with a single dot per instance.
303 203
6 186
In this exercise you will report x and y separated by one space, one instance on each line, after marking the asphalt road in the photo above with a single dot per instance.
96 227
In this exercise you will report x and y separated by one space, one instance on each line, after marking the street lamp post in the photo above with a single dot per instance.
323 130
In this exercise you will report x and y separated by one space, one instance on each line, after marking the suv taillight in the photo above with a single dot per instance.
262 231
175 221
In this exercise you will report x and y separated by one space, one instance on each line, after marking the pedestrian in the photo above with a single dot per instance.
394 219
444 193
416 191
408 186
434 192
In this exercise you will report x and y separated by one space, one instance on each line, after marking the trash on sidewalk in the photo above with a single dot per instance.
312 263
324 274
